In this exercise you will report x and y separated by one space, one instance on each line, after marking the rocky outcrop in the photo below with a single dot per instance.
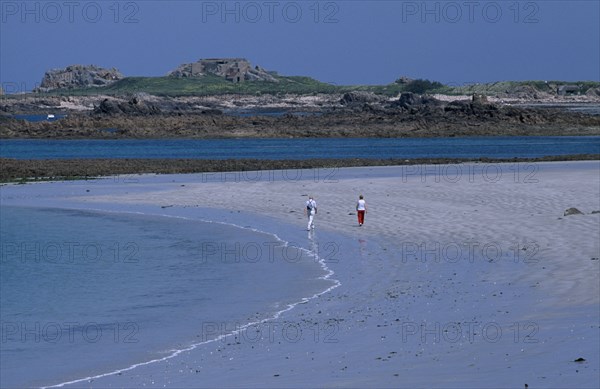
135 106
593 92
78 76
479 99
232 69
410 115
572 211
359 97
409 100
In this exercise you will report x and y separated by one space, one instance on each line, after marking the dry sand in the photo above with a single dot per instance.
462 276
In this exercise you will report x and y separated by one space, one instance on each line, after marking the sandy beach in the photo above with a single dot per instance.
463 276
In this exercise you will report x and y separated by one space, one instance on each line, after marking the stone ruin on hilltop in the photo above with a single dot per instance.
236 70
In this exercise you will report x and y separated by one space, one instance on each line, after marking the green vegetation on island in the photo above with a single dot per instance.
225 76
214 85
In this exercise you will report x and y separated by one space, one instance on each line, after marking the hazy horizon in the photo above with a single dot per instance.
339 42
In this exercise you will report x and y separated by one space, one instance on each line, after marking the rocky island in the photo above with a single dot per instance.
78 76
230 98
197 100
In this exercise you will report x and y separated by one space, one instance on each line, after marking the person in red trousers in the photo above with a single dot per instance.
361 210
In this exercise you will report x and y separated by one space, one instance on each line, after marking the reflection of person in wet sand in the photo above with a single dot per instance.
361 210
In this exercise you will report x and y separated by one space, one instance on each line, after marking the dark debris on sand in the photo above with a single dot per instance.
13 170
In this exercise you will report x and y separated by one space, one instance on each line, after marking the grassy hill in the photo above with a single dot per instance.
208 85
215 85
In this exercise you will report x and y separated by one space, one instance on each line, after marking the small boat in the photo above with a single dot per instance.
50 116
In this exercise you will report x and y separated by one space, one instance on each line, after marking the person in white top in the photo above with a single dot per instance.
310 210
361 210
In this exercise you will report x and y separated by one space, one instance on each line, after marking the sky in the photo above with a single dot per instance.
340 42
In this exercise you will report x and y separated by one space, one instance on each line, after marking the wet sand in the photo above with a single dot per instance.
462 276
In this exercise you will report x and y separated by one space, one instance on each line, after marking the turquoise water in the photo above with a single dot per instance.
274 149
86 293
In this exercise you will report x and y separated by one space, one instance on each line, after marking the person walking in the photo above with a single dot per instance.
310 210
361 210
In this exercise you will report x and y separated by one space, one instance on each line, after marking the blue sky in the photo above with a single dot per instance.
342 42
